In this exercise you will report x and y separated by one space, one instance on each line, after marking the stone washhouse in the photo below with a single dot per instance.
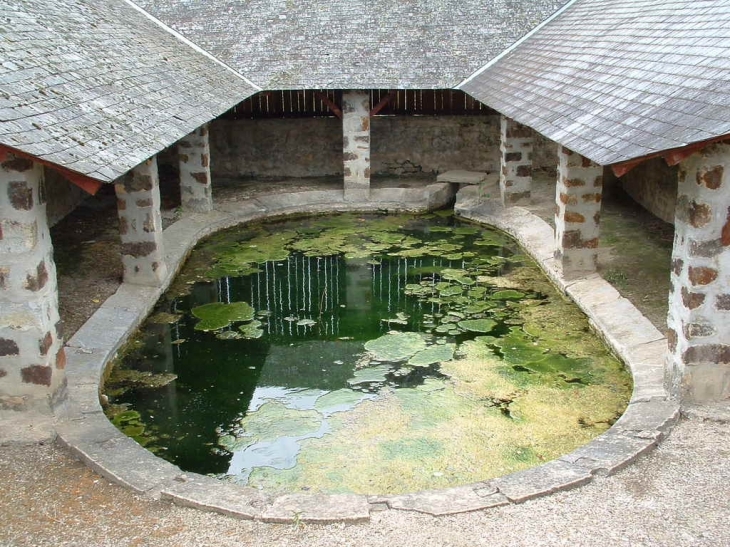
105 93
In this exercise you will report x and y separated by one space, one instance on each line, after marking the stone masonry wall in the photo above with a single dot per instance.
31 350
699 304
653 184
400 145
577 212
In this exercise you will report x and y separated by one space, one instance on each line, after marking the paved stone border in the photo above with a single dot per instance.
85 430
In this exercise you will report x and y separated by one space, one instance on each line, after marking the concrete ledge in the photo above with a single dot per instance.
84 429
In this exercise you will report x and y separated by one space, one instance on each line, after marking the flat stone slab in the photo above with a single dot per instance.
317 508
447 501
462 177
608 453
541 480
193 490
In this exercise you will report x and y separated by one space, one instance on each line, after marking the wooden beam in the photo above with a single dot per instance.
381 104
672 156
330 104
85 182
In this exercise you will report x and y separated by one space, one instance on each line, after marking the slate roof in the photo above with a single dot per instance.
368 44
619 79
98 87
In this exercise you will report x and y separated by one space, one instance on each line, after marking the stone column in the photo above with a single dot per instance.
195 183
515 177
31 350
699 304
356 144
140 225
577 213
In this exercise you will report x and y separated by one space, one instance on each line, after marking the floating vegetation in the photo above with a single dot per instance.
217 315
361 353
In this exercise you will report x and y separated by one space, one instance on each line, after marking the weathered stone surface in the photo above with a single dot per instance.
608 453
701 275
648 418
541 480
20 195
193 490
317 508
447 501
460 176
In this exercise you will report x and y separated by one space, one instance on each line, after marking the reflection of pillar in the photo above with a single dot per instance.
140 225
356 144
577 214
195 182
699 303
515 177
31 352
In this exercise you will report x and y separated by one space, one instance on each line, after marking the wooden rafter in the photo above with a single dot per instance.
672 156
330 104
381 104
85 182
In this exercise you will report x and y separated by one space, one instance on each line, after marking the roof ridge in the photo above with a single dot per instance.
190 43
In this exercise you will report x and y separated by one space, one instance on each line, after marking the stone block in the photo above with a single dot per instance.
447 501
201 492
608 453
541 480
460 176
647 418
317 508
115 456
592 291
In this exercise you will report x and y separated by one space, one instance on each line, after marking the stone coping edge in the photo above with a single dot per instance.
84 429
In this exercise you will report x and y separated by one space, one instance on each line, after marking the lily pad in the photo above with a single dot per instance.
396 347
306 322
433 354
508 294
251 330
217 315
477 325
340 400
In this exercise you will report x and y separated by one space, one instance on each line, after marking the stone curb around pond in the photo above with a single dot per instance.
86 431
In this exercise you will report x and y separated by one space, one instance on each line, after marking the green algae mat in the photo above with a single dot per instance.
362 353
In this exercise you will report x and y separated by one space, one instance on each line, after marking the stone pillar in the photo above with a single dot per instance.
356 144
140 225
577 213
515 177
699 304
31 350
195 183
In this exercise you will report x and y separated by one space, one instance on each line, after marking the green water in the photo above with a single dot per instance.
361 353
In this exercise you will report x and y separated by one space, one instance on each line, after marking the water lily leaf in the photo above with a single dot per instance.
396 347
433 354
217 315
451 290
508 294
477 325
251 330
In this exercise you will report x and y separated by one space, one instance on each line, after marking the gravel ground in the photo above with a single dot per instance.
677 495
